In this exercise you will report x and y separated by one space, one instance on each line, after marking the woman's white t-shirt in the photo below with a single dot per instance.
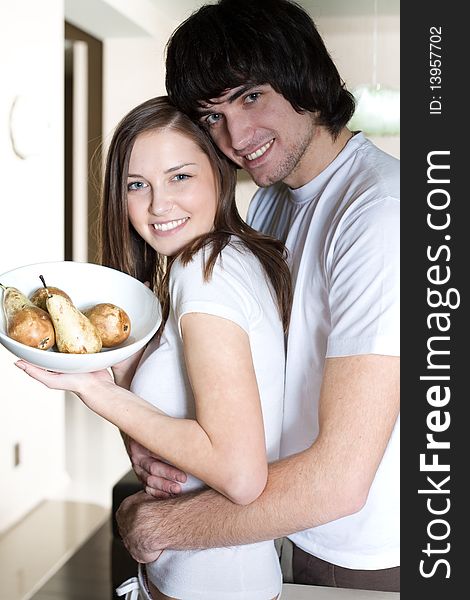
239 291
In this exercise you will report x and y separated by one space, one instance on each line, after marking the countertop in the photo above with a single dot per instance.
292 591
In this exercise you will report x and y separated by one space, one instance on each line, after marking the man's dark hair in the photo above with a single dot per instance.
235 42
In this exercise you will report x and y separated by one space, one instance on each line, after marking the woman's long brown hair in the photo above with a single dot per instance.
122 248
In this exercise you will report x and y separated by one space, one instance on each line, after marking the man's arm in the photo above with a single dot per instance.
359 405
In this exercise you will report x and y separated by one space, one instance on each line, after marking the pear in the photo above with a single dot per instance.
27 323
40 296
74 333
111 321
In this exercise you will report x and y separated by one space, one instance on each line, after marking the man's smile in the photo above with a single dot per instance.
259 152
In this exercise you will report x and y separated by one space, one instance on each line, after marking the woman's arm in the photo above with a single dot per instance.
228 408
225 446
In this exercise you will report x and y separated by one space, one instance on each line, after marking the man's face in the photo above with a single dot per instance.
258 129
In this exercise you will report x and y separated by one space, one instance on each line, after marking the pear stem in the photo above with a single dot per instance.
45 286
3 286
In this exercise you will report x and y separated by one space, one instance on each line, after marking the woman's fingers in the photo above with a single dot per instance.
48 378
74 382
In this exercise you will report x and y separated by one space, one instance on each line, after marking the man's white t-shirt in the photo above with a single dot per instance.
342 233
238 290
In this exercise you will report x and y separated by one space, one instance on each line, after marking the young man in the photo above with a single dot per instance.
258 77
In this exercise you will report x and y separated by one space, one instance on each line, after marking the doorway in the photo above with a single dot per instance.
83 84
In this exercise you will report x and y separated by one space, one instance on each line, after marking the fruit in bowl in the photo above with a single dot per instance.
106 314
39 297
74 333
111 321
27 323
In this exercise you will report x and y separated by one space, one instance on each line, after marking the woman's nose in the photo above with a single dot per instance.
161 205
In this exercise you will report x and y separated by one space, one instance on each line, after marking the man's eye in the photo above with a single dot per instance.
253 97
135 185
213 119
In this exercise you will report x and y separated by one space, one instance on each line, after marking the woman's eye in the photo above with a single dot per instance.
181 177
135 185
213 119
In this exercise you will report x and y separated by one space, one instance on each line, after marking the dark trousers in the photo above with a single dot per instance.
309 570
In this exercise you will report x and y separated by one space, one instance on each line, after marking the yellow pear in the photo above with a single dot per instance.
39 297
27 323
111 321
74 333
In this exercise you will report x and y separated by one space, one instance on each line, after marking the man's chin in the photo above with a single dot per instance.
264 181
266 178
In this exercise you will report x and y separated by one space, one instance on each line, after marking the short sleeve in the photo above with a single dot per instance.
364 285
228 293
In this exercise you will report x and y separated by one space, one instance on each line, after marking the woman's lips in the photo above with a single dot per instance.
169 227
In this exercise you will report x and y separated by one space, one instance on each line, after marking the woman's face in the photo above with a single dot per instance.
172 190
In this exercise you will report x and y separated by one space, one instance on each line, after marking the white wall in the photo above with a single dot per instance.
31 46
133 71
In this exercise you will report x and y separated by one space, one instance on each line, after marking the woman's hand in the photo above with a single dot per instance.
81 383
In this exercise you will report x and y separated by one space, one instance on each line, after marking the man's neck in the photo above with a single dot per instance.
321 152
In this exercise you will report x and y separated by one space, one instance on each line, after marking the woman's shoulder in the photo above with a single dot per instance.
235 258
226 289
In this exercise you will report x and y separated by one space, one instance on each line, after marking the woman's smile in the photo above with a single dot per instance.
170 227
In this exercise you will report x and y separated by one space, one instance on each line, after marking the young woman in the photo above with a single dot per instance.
207 394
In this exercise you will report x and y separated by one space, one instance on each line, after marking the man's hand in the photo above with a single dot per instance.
159 478
135 518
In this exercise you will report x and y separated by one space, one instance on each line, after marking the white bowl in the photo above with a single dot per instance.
87 284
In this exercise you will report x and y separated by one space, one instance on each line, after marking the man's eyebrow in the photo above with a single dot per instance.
204 111
240 92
